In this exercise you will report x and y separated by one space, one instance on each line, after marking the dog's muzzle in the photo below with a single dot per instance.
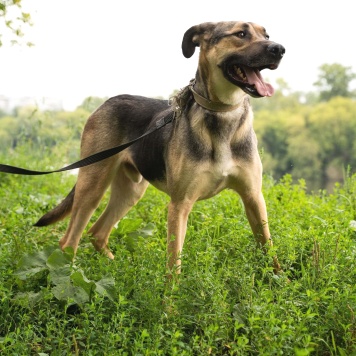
244 69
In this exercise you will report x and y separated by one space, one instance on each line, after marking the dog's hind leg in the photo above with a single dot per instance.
90 187
127 188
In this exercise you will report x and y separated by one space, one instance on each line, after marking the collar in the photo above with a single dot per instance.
211 105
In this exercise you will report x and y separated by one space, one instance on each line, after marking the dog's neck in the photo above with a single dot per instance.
217 106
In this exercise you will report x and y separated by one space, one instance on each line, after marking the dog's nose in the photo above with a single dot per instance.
276 49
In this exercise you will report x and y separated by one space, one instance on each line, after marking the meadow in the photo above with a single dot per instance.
227 301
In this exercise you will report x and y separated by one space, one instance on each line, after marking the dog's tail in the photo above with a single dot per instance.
59 212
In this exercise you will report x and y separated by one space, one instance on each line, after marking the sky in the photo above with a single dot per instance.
109 47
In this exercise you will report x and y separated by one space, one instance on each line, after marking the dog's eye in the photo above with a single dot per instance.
267 37
240 34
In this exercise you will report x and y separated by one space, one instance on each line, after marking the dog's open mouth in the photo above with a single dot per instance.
249 79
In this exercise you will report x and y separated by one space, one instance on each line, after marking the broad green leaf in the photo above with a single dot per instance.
33 263
68 291
59 259
28 299
107 286
60 275
80 280
128 225
24 274
147 230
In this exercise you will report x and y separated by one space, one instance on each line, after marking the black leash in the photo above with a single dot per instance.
96 157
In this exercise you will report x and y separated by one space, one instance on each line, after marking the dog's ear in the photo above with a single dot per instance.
193 37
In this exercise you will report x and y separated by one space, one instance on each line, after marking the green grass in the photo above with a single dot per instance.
226 301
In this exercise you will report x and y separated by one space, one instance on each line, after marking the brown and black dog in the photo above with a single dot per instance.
210 145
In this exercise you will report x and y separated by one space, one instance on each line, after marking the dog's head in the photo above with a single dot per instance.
235 52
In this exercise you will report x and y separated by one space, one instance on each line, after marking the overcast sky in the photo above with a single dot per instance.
109 47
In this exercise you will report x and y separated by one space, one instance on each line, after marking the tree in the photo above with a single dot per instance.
283 98
334 80
12 19
91 103
332 125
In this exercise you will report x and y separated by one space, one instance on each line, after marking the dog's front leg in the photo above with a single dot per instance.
256 212
178 213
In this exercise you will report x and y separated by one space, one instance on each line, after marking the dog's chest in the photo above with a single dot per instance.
222 163
219 139
213 175
219 155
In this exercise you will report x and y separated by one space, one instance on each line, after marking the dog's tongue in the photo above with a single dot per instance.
254 77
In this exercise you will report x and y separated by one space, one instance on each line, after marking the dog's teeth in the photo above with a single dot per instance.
240 73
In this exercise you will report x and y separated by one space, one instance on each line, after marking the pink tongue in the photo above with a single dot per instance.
254 77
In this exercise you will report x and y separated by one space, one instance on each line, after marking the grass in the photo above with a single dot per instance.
226 301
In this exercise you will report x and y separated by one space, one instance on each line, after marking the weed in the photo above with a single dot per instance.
227 301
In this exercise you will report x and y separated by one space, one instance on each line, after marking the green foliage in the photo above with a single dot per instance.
50 131
315 143
227 301
66 281
283 99
12 19
334 80
91 103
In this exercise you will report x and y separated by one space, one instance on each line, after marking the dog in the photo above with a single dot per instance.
209 146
